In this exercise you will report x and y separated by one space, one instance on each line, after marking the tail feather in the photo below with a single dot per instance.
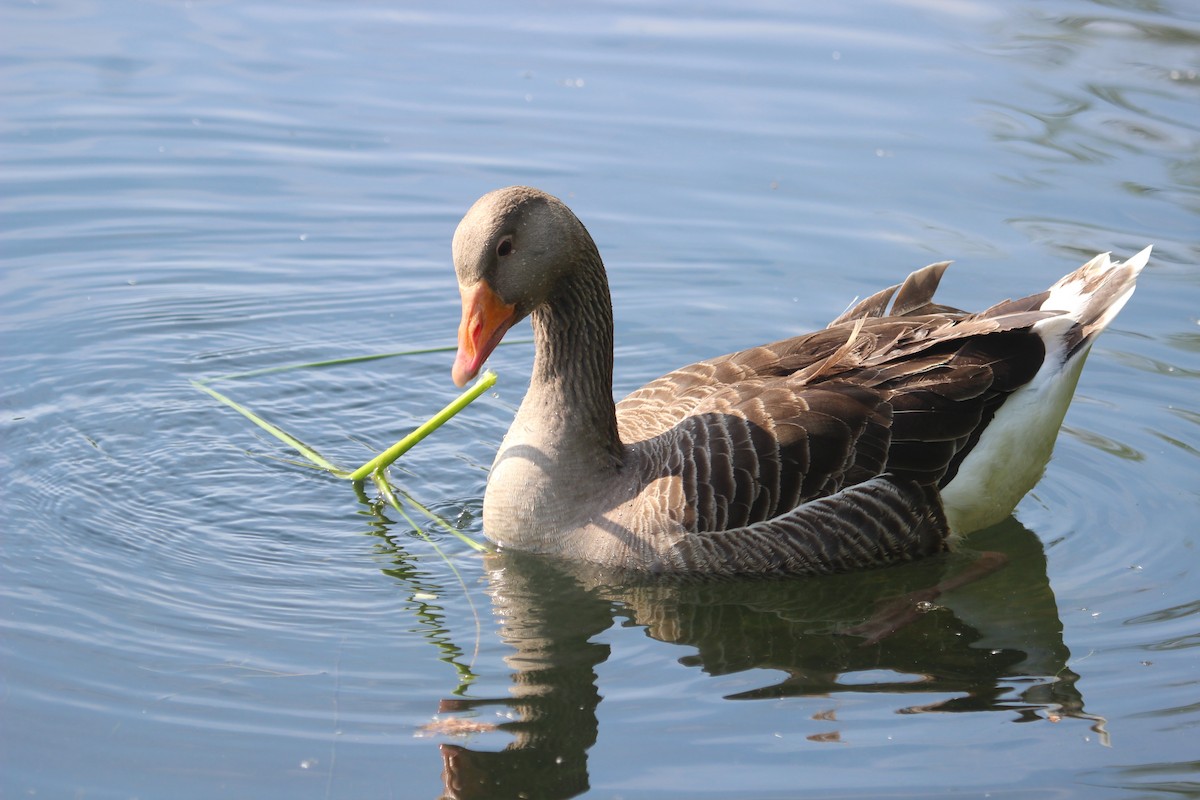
1012 451
1089 299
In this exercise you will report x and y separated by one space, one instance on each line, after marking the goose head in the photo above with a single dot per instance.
513 252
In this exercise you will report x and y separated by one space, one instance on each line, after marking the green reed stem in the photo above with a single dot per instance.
280 434
384 459
337 362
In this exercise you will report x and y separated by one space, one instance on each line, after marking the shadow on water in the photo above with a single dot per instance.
995 645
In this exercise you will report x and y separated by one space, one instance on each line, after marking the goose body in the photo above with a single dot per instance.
881 438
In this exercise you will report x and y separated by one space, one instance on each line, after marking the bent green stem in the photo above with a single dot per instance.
384 459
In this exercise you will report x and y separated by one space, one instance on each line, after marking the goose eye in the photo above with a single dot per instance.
504 248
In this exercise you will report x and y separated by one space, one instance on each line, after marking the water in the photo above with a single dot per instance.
196 189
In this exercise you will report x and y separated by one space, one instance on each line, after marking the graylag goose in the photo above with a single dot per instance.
882 438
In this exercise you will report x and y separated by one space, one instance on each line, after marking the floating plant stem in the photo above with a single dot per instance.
337 362
379 462
375 468
384 459
280 434
388 493
435 517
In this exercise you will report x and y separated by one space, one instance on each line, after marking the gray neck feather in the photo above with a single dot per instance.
571 386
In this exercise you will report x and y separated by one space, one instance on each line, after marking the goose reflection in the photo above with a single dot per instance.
995 645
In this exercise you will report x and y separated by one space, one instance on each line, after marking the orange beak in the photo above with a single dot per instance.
485 320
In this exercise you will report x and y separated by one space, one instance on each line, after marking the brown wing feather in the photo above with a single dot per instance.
918 288
754 434
915 294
